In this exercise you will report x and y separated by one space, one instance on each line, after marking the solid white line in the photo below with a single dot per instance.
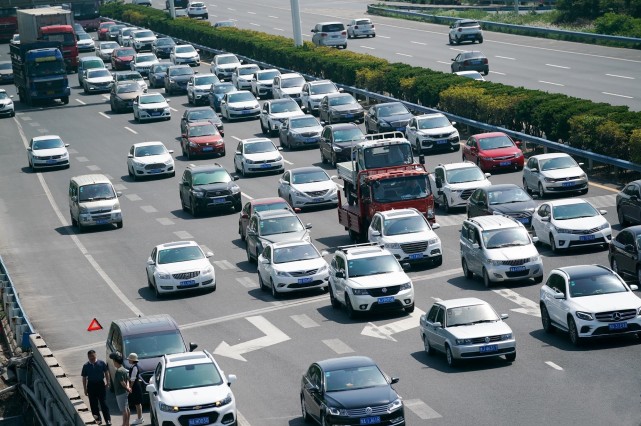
272 16
247 196
458 50
553 365
242 421
496 72
254 24
251 13
620 96
443 62
230 8
419 42
505 57
131 130
380 36
104 115
80 102
288 162
549 82
237 138
404 54
279 29
368 47
620 76
557 66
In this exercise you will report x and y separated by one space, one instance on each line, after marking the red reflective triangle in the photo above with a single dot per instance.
94 325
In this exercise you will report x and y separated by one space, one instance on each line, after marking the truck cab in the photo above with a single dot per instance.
39 72
65 35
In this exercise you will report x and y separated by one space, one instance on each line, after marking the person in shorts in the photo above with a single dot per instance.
136 383
121 387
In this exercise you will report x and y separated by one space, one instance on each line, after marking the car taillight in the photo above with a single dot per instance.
323 34
343 33
485 61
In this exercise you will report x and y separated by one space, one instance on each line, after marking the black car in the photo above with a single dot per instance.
157 74
177 78
387 117
506 199
629 204
624 253
197 114
336 142
350 391
162 46
6 72
210 187
471 61
340 107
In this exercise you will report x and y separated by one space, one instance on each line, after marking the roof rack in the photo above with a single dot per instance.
351 246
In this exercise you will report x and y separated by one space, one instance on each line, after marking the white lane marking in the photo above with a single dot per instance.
496 72
549 82
279 29
458 50
80 102
251 13
421 409
419 42
558 66
43 131
443 62
34 124
368 47
247 282
404 54
437 299
381 36
553 365
272 16
528 307
118 186
306 35
338 346
82 159
386 331
224 264
131 130
242 421
72 151
124 299
184 235
106 97
616 94
149 209
93 168
25 118
231 8
249 197
620 76
237 138
254 24
272 336
304 321
505 57
440 274
165 221
173 109
133 197
287 161
104 115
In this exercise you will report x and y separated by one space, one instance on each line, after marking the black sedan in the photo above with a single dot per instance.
387 117
506 199
157 74
350 391
162 47
624 253
337 140
471 61
629 204
200 114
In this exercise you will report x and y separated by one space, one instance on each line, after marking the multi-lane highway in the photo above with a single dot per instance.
65 279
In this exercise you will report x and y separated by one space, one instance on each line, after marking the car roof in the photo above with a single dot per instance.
267 200
338 94
150 143
187 358
492 222
180 66
300 117
567 201
279 101
90 179
460 165
146 324
464 301
584 271
345 362
387 104
199 123
389 214
435 115
467 20
89 58
282 244
222 55
329 22
550 155
240 91
195 109
270 214
306 169
175 244
247 66
254 140
311 83
290 75
269 69
362 250
43 137
206 74
149 94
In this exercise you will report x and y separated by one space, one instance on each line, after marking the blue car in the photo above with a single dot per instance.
157 74
217 92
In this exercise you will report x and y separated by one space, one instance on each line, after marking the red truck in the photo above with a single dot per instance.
8 23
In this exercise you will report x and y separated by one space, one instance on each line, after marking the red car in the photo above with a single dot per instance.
493 151
103 30
259 205
121 57
202 138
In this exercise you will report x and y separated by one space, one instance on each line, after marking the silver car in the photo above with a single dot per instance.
466 328
554 173
300 131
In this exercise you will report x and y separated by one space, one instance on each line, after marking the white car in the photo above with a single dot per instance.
179 266
85 43
47 151
432 133
240 104
589 301
142 39
474 75
184 54
362 27
291 266
289 85
135 76
151 106
454 183
197 9
142 62
6 104
243 75
191 386
124 35
257 155
224 65
313 93
105 48
569 223
407 235
308 187
97 80
198 88
261 84
275 112
149 159
553 174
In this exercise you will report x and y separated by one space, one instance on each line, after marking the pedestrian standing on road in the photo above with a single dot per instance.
95 381
121 387
135 382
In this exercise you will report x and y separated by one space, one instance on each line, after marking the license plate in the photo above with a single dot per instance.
102 222
488 348
586 237
566 184
441 142
198 421
524 220
318 200
618 326
187 284
246 112
517 268
50 92
305 280
416 256
370 420
218 200
505 163
310 140
155 171
349 115
335 36
208 148
387 299
265 166
52 161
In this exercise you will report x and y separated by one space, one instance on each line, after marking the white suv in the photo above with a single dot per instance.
455 183
432 133
224 65
465 30
191 388
366 277
330 34
289 85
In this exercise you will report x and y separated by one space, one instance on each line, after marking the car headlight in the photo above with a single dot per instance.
606 225
584 316
163 276
359 292
167 110
393 246
495 262
395 405
583 176
518 154
116 206
168 408
463 341
207 270
548 179
279 158
337 148
249 161
383 123
322 269
138 163
507 336
336 412
83 210
406 286
282 274
172 81
235 189
639 312
563 230
169 162
535 259
193 145
198 193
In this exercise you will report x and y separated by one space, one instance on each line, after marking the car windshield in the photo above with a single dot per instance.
165 42
152 99
309 177
205 80
141 34
201 114
96 63
295 253
224 60
125 52
3 95
147 57
354 378
468 24
433 123
574 211
96 192
470 315
506 196
128 31
191 376
133 76
393 109
278 205
48 144
127 88
332 28
148 150
50 67
179 254
498 238
180 71
224 88
259 147
154 345
115 28
401 189
205 130
280 225
267 75
161 68
210 177
557 163
83 36
495 142
241 97
185 49
363 22
405 225
319 89
353 134
299 123
467 174
248 70
292 82
108 45
286 106
346 99
374 265
596 284
98 73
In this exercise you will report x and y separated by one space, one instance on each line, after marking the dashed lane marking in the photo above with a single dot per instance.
82 159
184 235
528 307
224 264
443 62
419 42
404 54
133 197
104 115
131 130
254 24
246 196
553 365
421 409
440 274
25 118
505 57
173 109
304 321
93 168
81 102
279 29
338 346
273 17
617 95
558 66
620 76
287 161
496 72
149 209
34 124
368 47
247 282
553 84
118 186
382 36
72 151
164 221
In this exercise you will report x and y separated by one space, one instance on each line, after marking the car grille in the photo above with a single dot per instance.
154 166
309 134
516 262
101 211
360 412
303 273
197 407
519 214
566 179
610 316
415 247
101 84
488 339
516 274
101 216
440 136
50 157
586 231
152 110
143 69
317 193
504 157
219 193
402 123
389 291
466 194
186 275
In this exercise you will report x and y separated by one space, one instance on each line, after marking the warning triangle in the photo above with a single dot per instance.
94 325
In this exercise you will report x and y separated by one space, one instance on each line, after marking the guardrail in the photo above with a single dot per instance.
17 322
489 25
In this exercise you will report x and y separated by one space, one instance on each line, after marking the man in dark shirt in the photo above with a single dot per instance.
95 381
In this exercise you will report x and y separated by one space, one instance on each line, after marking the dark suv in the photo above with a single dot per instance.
149 337
176 78
210 187
337 140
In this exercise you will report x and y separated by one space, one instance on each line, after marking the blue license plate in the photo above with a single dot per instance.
246 112
566 184
305 280
618 326
218 200
208 148
370 420
441 142
488 348
416 256
187 283
52 161
349 115
318 200
387 299
198 421
586 237
524 220
265 166
505 163
517 268
155 114
155 171
102 222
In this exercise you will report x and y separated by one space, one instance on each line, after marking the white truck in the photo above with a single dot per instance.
455 182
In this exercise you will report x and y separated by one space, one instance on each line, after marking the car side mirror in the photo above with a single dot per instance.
452 59
634 287
339 274
376 234
453 123
251 232
504 316
518 143
231 378
603 212
535 239
280 148
476 246
235 177
411 127
559 296
238 153
437 324
119 194
545 219
130 156
580 164
308 226
74 198
313 30
487 175
394 380
151 388
29 148
534 170
406 266
435 226
150 262
209 254
264 260
629 248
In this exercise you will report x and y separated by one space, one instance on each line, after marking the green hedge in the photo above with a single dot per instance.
598 127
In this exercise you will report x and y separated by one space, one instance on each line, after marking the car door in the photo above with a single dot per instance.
282 132
130 157
633 208
156 380
527 173
340 282
475 255
252 235
410 132
374 227
264 115
190 86
313 391
371 120
276 88
305 96
135 107
244 219
316 35
456 65
429 330
556 307
541 222
185 185
323 110
440 182
223 105
151 268
114 344
265 264
285 185
626 252
438 336
325 142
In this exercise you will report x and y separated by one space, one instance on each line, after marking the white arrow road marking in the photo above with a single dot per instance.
273 335
386 331
528 307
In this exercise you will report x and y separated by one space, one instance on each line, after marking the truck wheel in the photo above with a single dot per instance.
353 235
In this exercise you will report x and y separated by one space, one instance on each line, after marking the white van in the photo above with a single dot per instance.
331 34
93 201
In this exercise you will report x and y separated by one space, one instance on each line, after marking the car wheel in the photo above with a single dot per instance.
615 266
574 333
639 275
584 191
334 159
541 191
193 209
154 421
182 204
446 205
303 410
622 220
289 200
428 348
263 128
323 159
509 357
149 283
486 279
466 271
480 40
410 309
450 41
539 279
546 322
553 245
249 256
119 225
131 175
157 293
350 309
243 171
335 303
275 293
261 283
451 361
525 187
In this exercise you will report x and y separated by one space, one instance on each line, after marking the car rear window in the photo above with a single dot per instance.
363 22
332 28
469 24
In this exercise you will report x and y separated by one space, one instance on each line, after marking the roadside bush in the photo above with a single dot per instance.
635 146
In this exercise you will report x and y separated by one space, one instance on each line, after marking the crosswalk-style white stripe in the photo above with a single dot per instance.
338 346
304 321
421 409
247 282
224 264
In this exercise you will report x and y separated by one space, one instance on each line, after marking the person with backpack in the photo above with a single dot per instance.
136 383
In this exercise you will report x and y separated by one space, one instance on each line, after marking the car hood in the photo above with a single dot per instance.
125 58
144 39
311 129
92 206
359 398
396 117
380 280
48 152
245 77
151 159
6 101
608 302
511 253
302 265
205 139
245 104
479 330
319 97
499 152
520 206
262 156
562 173
410 237
470 185
99 79
436 131
292 90
267 81
186 55
202 87
180 78
195 396
188 266
580 222
154 105
128 96
146 63
314 186
85 42
217 186
287 236
346 107
287 114
227 67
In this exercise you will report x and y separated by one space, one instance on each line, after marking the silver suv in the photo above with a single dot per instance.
330 34
465 30
499 248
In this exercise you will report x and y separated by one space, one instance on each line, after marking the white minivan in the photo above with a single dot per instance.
93 201
331 34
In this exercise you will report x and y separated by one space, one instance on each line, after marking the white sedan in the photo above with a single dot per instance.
97 80
47 151
243 75
184 54
275 112
240 104
151 106
308 187
291 266
105 48
569 223
554 173
150 159
257 155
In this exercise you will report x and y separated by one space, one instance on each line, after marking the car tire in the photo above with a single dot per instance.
622 220
182 204
541 191
486 279
584 191
480 40
450 41
275 293
323 159
546 322
149 283
157 293
427 347
553 245
615 266
243 172
466 271
303 410
486 72
263 128
539 279
333 300
446 205
261 283
249 256
525 187
193 209
510 357
119 225
409 309
574 332
351 313
334 159
638 275
449 357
